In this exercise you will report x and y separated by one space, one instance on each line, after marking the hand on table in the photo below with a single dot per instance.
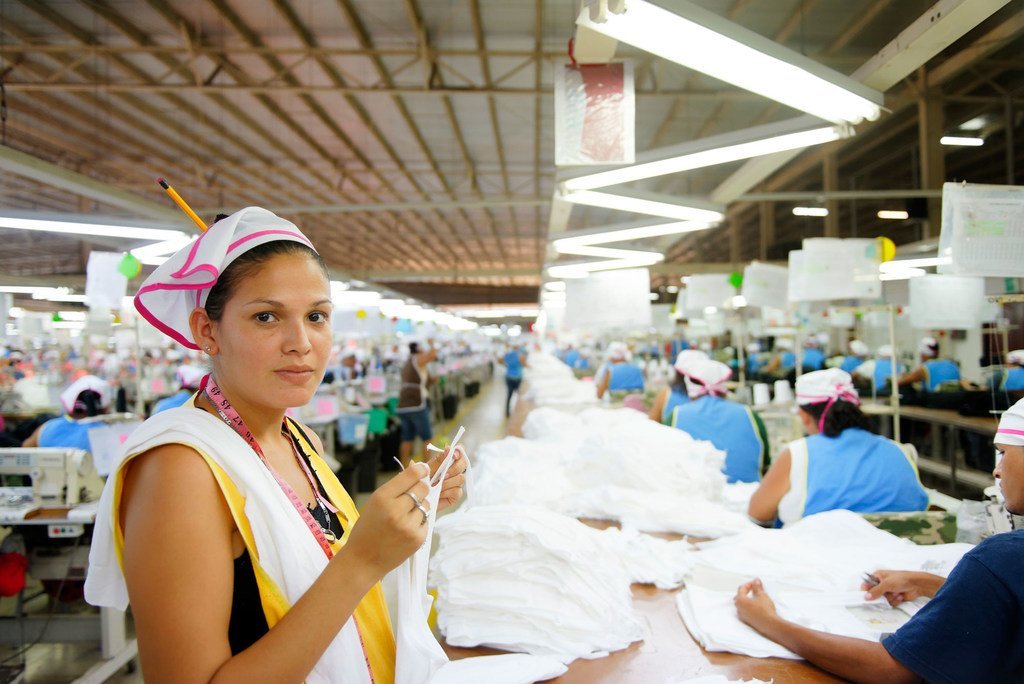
753 605
899 585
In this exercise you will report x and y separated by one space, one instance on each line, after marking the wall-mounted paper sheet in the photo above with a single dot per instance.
982 230
945 301
709 289
765 284
609 300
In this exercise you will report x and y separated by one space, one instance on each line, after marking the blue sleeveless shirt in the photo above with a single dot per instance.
66 432
174 401
625 376
675 398
731 428
850 363
883 372
939 371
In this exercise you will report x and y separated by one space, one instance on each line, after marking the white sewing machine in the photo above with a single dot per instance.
45 477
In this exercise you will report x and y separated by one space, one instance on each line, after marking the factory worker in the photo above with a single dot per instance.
970 630
858 354
730 426
573 359
933 371
619 374
188 382
674 394
814 353
241 554
784 359
86 397
841 464
753 358
1012 379
514 361
876 373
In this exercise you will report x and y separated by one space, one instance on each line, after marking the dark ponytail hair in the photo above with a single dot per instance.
247 264
679 382
841 415
87 404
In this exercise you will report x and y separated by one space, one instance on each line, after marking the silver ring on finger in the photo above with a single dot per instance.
424 512
417 501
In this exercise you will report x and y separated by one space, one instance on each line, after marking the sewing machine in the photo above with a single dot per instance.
45 477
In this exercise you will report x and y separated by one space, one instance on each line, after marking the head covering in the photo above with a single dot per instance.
825 386
784 343
753 347
706 376
822 338
885 351
1015 357
1011 426
183 282
189 376
69 397
858 348
686 357
929 346
617 351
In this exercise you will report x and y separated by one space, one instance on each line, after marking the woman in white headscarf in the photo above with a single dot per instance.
970 630
84 398
841 464
242 556
933 371
675 394
619 374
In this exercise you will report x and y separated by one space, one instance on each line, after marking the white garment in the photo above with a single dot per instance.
288 552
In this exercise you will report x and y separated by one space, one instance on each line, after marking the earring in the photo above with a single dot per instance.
207 349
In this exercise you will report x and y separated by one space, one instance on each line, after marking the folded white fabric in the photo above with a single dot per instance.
552 382
542 584
650 560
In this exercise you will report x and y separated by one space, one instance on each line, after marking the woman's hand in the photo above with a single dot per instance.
754 606
898 586
391 526
454 480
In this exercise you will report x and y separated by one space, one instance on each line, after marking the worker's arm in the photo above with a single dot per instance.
773 365
602 386
658 407
898 586
856 660
764 504
919 374
33 439
179 546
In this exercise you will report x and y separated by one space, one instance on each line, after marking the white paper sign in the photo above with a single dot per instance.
105 286
765 284
945 301
982 230
831 268
609 300
711 289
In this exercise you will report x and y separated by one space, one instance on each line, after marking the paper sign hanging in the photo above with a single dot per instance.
765 284
595 114
105 285
609 300
946 302
707 290
982 230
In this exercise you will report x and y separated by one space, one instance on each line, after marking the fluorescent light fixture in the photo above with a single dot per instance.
961 141
612 234
653 296
672 289
902 274
68 325
510 312
706 42
93 229
975 124
355 297
643 205
59 297
893 214
158 252
904 264
739 301
555 286
710 310
810 211
72 315
684 280
583 269
610 253
27 289
15 312
705 157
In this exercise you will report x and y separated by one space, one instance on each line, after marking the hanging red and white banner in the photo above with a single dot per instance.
595 114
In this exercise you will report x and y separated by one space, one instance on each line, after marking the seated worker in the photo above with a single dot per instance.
730 426
188 379
784 360
814 354
86 397
970 631
1012 379
753 359
840 465
675 394
619 374
876 374
933 371
572 357
858 354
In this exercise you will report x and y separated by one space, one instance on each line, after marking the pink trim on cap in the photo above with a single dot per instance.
298 238
1008 431
161 326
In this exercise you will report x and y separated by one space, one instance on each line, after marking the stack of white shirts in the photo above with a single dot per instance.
650 560
552 382
812 569
527 580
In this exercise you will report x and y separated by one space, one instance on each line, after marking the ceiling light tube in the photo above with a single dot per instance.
93 229
711 151
902 274
643 205
706 42
903 264
894 214
636 232
555 286
609 253
810 211
961 141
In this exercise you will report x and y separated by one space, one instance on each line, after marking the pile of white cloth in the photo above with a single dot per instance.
552 382
812 569
527 580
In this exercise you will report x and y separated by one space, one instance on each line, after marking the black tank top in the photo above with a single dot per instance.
248 623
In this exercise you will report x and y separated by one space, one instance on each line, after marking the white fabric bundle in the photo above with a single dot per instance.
650 560
552 382
528 580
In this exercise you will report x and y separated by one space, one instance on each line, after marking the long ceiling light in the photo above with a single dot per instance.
904 264
639 204
608 234
609 253
810 211
90 229
751 142
703 41
894 214
585 268
961 141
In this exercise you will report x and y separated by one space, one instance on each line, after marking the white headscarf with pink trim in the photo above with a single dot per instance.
686 357
706 376
825 387
1011 426
183 282
69 397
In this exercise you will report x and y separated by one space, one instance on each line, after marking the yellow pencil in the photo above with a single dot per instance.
181 204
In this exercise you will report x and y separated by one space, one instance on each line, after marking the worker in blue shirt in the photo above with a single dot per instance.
189 377
675 394
858 354
972 629
1012 379
86 397
730 426
618 373
514 361
933 371
784 359
841 465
